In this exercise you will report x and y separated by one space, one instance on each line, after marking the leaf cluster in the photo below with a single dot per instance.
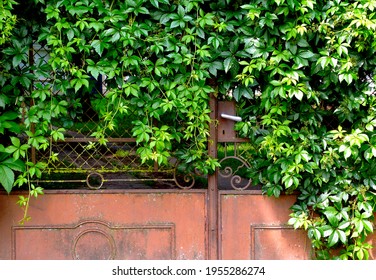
311 121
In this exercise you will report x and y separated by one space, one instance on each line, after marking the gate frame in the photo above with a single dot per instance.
213 195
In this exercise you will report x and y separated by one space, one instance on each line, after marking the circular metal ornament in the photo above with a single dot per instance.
94 244
90 184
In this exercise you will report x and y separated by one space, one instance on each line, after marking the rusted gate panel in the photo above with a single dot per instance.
253 226
151 225
107 225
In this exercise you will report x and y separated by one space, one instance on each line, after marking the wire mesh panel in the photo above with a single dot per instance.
81 160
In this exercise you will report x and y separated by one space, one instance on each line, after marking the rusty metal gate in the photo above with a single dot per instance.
244 224
230 219
134 210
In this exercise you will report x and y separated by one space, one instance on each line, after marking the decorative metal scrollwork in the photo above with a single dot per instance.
183 180
232 172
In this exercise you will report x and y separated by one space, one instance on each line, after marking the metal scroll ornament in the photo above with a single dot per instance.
183 178
233 171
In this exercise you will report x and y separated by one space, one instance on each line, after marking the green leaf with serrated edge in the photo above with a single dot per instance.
342 236
155 3
98 46
326 230
332 218
6 178
9 115
333 239
307 54
228 63
347 152
16 165
367 225
343 225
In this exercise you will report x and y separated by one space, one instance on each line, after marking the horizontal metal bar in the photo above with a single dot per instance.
58 181
138 180
113 191
107 171
105 180
91 139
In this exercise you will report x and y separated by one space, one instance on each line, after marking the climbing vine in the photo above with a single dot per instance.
312 122
302 73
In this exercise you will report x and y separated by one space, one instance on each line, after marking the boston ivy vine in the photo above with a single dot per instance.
312 64
302 73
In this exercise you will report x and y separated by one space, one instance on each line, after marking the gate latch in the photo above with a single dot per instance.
226 117
232 118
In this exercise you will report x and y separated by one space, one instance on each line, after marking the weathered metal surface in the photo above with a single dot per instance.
107 225
226 132
213 188
232 163
253 226
152 225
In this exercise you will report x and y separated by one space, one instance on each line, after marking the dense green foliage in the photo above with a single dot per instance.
301 72
7 20
312 63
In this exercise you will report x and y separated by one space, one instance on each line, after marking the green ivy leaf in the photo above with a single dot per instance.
342 236
228 63
331 215
78 10
6 178
98 46
307 54
13 164
333 238
367 225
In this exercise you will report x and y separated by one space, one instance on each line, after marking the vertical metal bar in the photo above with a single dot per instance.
156 166
33 150
213 186
32 126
